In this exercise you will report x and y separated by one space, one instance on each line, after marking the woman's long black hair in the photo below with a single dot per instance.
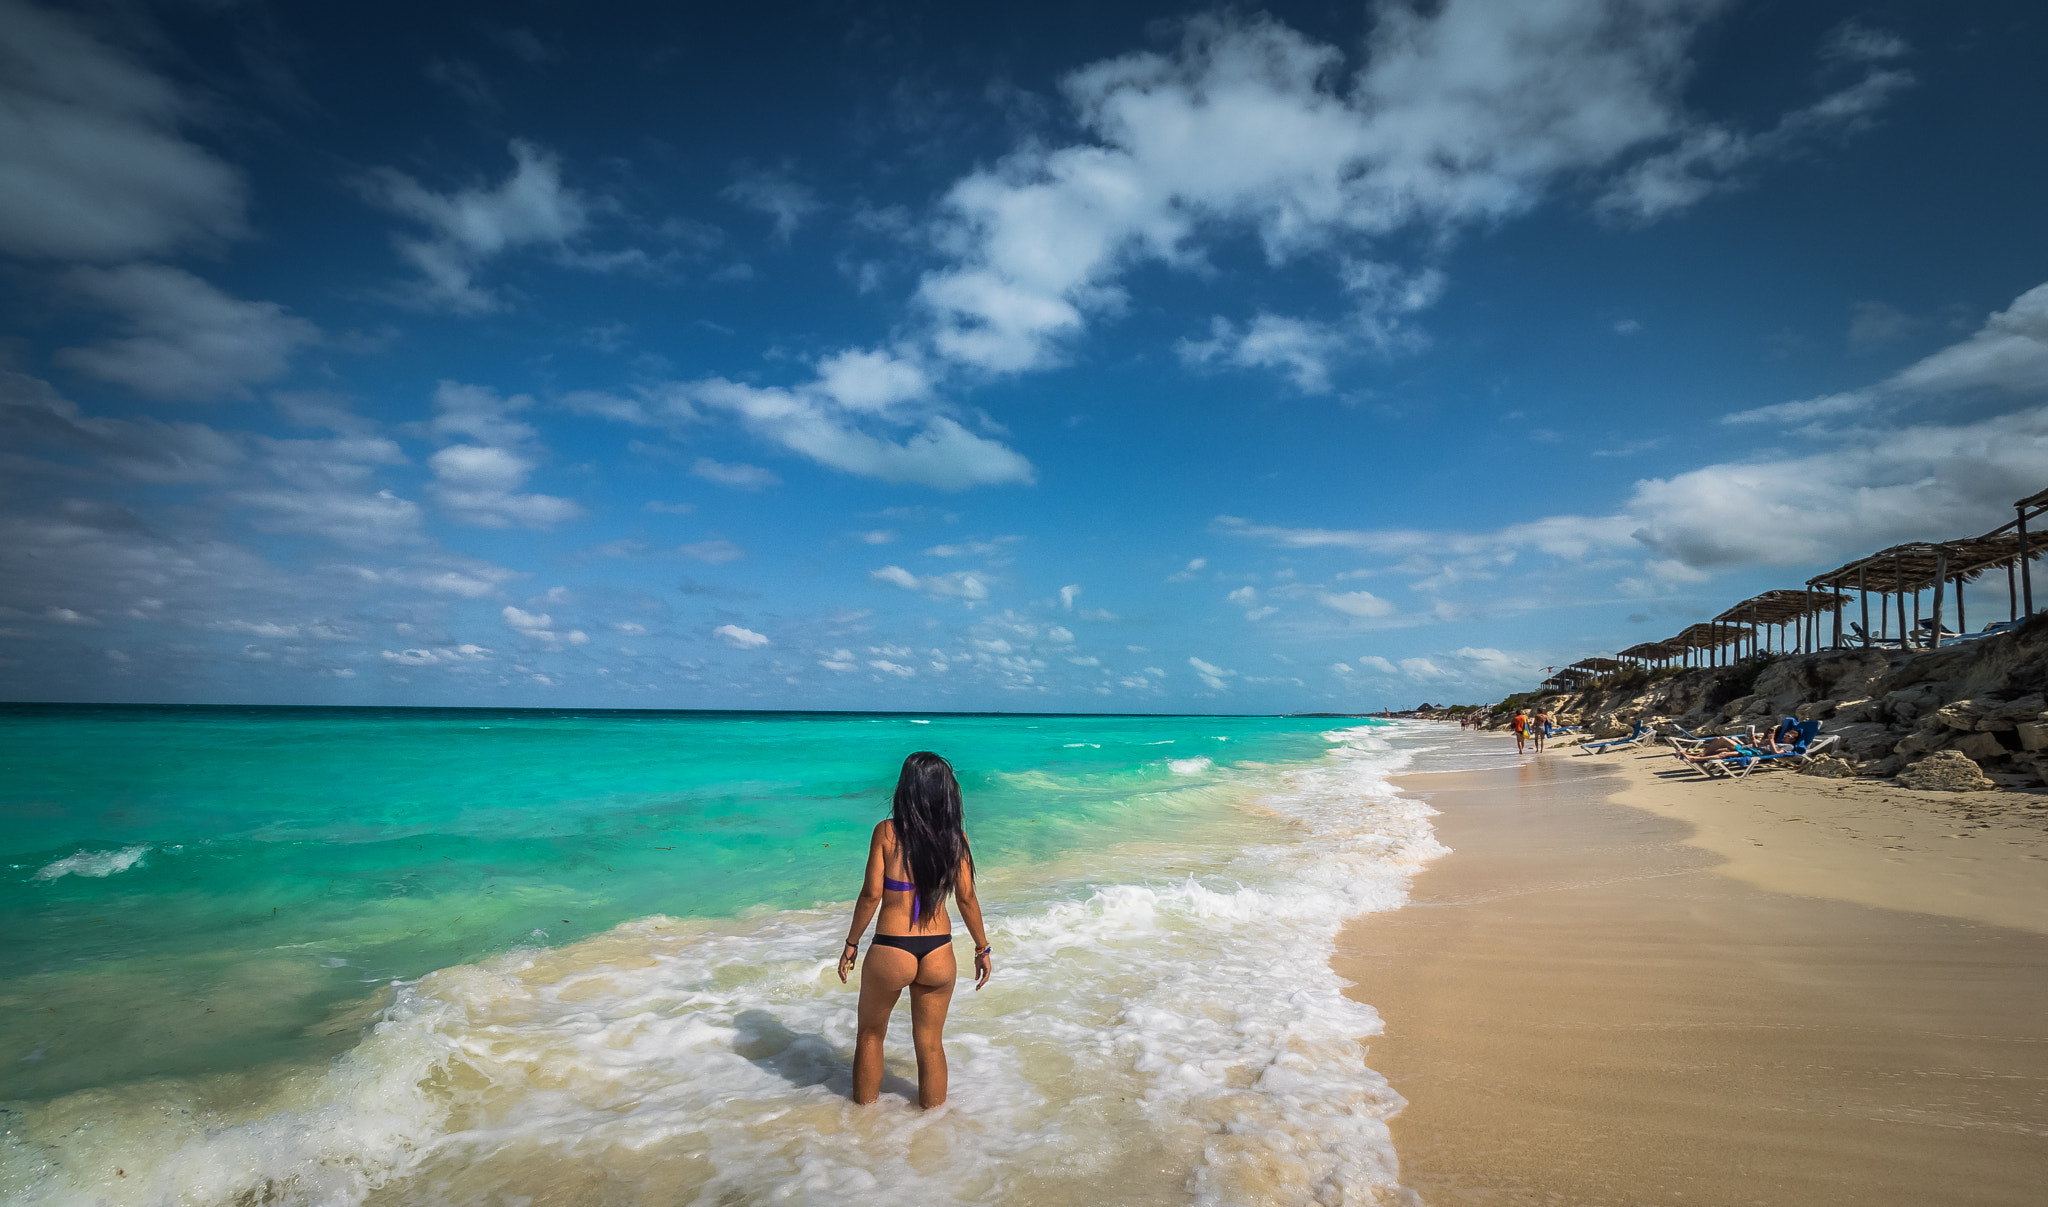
927 817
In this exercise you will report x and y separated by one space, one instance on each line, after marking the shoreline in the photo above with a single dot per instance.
1590 1001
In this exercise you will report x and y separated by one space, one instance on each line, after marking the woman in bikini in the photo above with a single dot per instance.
916 859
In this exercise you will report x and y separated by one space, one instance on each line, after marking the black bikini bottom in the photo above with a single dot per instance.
917 945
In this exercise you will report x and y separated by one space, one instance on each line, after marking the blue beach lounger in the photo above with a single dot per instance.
1805 748
1637 738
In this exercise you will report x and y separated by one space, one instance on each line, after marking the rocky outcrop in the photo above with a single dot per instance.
1945 771
1984 702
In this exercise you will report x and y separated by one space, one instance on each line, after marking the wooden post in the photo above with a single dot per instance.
2012 594
1940 577
1962 621
1899 576
1865 595
2026 571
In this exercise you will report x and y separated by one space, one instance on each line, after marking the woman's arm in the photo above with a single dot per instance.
970 913
866 904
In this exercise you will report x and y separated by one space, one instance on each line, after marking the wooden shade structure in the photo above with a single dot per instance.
1653 651
1918 566
1711 636
1897 572
1784 607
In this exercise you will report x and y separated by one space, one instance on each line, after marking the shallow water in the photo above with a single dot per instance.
356 956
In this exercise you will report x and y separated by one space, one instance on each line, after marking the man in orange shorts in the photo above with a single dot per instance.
1521 727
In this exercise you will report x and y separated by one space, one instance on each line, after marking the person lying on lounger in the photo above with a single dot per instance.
1713 750
1783 740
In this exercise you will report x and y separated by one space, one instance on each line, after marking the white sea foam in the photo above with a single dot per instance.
1193 766
1144 1040
94 863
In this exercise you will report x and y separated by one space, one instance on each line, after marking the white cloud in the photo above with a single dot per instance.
255 628
1420 668
1060 635
469 226
183 339
32 413
478 484
70 616
1462 115
350 518
629 628
1709 157
882 664
870 381
1068 594
839 660
466 577
1212 676
1376 663
2007 355
971 548
877 536
438 656
809 421
1488 664
774 193
967 585
1868 486
541 628
1857 43
1356 603
737 476
660 508
715 551
96 168
1305 349
1922 481
739 638
1187 573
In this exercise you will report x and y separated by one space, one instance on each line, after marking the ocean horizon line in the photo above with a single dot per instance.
29 706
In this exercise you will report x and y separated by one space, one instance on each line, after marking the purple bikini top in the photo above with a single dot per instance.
904 886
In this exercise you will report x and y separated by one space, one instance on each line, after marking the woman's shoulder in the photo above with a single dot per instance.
885 830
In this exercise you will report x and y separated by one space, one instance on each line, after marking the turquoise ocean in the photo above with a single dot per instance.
413 956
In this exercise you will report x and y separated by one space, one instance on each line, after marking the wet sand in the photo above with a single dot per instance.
1583 1005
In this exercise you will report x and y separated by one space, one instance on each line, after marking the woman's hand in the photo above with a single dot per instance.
984 966
846 961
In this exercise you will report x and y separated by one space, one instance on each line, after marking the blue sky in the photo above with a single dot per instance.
1089 357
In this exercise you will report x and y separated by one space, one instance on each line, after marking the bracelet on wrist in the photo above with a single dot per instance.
982 951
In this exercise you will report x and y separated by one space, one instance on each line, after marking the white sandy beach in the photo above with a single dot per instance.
1626 986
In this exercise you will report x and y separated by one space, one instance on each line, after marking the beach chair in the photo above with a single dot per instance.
1857 638
1805 749
1556 731
1989 630
1641 735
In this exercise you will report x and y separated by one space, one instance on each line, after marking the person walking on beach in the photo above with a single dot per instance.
1540 729
917 857
1521 728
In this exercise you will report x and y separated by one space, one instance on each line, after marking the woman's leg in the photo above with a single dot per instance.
882 978
930 994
